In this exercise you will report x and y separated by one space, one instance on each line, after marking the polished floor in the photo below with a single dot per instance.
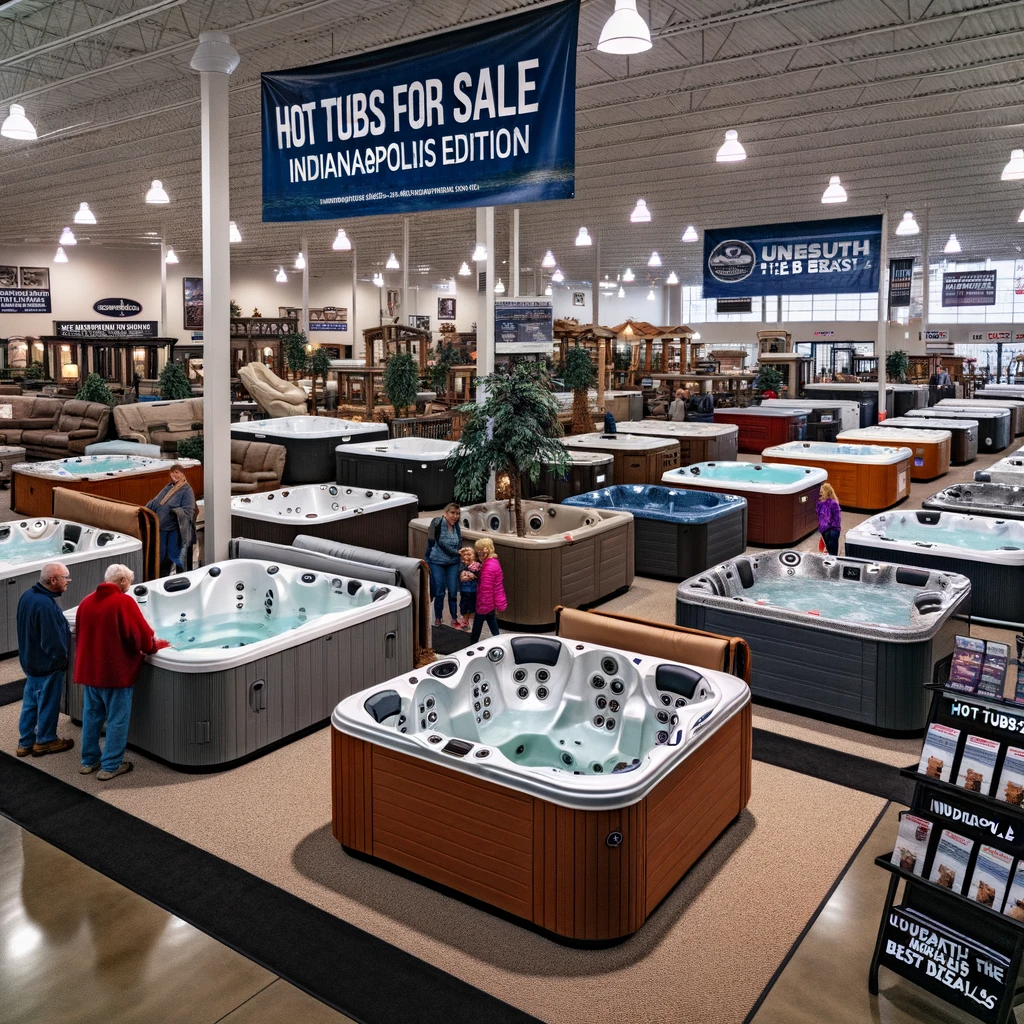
77 948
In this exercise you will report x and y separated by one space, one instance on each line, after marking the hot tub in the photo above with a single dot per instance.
845 638
930 447
131 478
780 499
587 471
1008 470
698 442
26 546
638 459
351 515
866 476
865 394
760 427
908 396
676 533
993 424
310 442
568 785
415 464
844 414
623 405
569 556
989 552
260 654
1004 501
1016 407
964 433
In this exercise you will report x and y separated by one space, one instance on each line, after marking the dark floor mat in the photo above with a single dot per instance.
447 640
11 692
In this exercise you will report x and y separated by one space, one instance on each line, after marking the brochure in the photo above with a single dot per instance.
1019 693
991 874
1015 897
949 865
1011 782
993 670
938 751
912 843
978 765
965 668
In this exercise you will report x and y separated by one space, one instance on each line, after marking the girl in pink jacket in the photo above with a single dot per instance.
490 590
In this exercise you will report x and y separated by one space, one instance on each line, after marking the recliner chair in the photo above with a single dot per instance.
274 396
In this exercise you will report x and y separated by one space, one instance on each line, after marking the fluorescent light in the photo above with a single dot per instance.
690 234
61 256
625 32
640 214
907 226
156 193
650 295
558 277
17 126
281 277
479 253
85 215
1013 171
835 193
464 270
67 237
341 243
547 291
731 150
300 262
171 257
583 238
392 263
549 260
499 288
672 279
234 235
952 245
655 260
622 292
629 277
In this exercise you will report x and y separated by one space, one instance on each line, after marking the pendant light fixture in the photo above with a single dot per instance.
558 277
1013 171
282 277
629 277
234 235
378 279
156 193
392 263
731 150
17 126
625 32
479 253
655 260
640 214
672 279
690 234
499 288
171 257
61 256
300 262
85 215
549 260
547 291
341 243
583 238
907 226
1020 217
953 245
67 237
650 295
464 270
621 292
835 193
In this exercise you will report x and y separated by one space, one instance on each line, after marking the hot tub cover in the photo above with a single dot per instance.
620 442
774 478
830 451
673 428
667 504
884 433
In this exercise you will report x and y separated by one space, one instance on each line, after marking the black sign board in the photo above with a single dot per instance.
732 305
969 288
117 307
106 328
901 273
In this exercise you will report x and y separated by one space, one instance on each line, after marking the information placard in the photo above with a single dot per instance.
969 288
523 326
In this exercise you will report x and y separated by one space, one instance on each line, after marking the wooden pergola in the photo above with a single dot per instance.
382 342
642 335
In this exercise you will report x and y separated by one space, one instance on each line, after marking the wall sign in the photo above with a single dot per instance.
969 288
445 309
117 307
106 328
733 305
24 289
474 117
901 273
192 300
811 257
523 326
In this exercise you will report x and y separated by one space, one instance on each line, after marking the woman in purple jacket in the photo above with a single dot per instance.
830 518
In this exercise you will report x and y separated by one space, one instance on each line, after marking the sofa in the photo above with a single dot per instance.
52 428
276 397
159 423
256 466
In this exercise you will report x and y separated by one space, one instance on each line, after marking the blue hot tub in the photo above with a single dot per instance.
676 533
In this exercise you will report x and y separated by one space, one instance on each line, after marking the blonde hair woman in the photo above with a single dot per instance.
830 518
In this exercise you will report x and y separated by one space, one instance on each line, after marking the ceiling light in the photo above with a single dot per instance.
85 215
625 32
282 277
156 193
640 214
61 256
378 279
583 238
650 295
835 193
17 126
629 276
952 245
690 234
67 237
547 291
672 279
479 253
558 277
696 336
907 226
1013 171
464 270
1020 217
499 288
622 292
171 257
234 235
392 263
731 150
549 260
300 262
655 260
341 243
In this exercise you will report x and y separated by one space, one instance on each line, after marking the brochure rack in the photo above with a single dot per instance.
968 954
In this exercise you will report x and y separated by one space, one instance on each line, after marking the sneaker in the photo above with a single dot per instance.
458 624
438 622
57 746
88 769
122 769
23 751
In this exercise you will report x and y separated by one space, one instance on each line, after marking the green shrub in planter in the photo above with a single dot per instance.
35 371
173 382
94 389
401 381
191 447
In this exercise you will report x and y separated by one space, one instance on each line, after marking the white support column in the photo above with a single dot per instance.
405 268
485 331
883 314
215 58
352 324
926 277
515 253
304 326
595 292
163 287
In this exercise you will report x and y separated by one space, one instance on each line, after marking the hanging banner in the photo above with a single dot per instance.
969 288
106 328
812 257
474 117
24 289
523 326
901 273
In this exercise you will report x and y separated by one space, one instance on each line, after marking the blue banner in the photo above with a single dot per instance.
811 257
474 117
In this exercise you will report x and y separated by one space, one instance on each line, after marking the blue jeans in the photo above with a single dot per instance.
831 539
170 550
39 709
442 578
113 704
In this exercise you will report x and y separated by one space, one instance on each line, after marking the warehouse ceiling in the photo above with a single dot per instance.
914 103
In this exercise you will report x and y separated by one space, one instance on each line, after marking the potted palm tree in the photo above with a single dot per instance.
579 376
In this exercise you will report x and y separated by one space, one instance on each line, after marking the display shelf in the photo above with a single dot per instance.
1006 702
949 787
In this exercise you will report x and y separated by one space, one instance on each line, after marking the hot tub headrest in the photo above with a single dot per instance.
677 679
912 577
383 705
535 650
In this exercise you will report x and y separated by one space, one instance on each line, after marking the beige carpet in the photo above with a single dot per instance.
704 956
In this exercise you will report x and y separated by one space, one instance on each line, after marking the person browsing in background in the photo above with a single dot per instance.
830 518
444 538
677 408
469 575
490 591
942 377
44 639
175 507
112 640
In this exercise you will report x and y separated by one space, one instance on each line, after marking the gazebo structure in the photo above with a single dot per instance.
382 342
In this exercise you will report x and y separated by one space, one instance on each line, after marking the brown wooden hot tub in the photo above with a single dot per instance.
638 459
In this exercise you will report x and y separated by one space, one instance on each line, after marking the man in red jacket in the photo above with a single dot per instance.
112 639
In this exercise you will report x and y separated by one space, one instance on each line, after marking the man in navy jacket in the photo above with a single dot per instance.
44 639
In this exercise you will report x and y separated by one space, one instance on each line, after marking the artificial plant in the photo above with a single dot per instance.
294 348
191 447
174 383
444 359
401 381
236 309
35 371
579 376
94 389
320 364
897 363
514 430
768 378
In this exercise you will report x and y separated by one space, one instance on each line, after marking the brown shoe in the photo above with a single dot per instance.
23 751
57 746
121 769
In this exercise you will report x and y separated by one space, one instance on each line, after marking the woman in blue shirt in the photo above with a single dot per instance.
444 538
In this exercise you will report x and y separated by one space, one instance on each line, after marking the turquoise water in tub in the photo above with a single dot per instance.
18 548
746 473
222 631
987 538
855 602
113 464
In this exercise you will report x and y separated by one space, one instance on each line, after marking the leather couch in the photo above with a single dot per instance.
159 423
256 466
51 428
276 397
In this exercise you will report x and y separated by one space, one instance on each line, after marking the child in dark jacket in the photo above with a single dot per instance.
830 518
469 575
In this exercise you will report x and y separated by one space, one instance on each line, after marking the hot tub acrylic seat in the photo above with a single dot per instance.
676 532
841 637
580 782
931 448
698 442
864 476
780 499
1002 501
415 464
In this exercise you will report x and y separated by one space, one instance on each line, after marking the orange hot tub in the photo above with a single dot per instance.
931 448
868 477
